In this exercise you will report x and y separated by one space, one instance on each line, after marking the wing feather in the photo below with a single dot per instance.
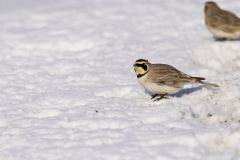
168 75
226 21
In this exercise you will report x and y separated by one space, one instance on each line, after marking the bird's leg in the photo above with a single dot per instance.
154 96
161 97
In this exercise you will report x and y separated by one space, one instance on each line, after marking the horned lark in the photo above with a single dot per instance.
162 79
222 24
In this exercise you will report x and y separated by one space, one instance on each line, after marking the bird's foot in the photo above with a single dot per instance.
162 96
154 96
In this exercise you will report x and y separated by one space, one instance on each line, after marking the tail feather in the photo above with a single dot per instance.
201 80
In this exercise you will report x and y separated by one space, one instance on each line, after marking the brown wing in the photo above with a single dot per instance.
226 21
168 75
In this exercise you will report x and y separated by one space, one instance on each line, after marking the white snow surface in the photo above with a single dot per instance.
69 92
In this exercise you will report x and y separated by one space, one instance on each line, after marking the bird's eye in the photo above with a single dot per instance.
144 66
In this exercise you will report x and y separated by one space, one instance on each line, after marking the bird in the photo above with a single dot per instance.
224 25
161 80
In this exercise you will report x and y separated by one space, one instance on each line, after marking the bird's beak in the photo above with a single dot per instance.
134 65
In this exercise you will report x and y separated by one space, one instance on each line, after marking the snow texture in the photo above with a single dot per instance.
69 92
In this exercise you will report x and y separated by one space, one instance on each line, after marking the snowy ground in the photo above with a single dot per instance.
69 92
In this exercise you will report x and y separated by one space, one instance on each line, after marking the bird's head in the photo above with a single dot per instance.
141 67
210 7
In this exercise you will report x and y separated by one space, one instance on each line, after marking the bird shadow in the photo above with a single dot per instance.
187 91
217 39
183 92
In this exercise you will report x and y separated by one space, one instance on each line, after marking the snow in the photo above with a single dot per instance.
68 89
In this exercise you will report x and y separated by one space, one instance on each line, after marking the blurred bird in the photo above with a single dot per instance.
223 24
162 79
